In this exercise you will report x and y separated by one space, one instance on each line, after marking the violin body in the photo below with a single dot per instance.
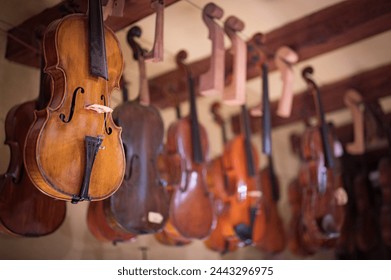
100 228
65 136
223 238
273 240
297 231
24 210
323 216
141 203
169 234
245 205
191 207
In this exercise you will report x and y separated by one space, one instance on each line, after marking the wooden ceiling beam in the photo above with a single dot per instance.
134 11
334 27
372 85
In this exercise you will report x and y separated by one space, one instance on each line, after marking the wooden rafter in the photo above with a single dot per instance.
372 84
331 28
133 12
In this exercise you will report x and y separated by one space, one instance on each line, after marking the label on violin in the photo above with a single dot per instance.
154 217
254 193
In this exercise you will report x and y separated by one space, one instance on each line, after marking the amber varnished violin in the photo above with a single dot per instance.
223 238
191 209
170 170
74 150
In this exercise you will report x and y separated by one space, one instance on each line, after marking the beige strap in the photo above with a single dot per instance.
352 100
235 93
113 8
284 59
156 54
212 82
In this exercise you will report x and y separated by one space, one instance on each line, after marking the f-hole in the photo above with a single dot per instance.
107 129
62 116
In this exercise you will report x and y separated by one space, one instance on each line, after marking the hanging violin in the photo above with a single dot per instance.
323 194
223 238
170 171
24 210
273 239
191 208
73 149
141 203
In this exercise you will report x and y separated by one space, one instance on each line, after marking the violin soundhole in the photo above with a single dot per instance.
107 129
62 116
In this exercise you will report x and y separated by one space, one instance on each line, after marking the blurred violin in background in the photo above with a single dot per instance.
24 210
141 203
191 209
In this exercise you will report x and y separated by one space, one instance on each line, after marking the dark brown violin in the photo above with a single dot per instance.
323 194
223 238
74 150
141 203
295 198
101 229
384 169
24 210
191 209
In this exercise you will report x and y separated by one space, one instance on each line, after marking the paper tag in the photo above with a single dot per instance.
254 193
154 217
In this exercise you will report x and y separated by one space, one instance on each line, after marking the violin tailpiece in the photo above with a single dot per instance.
92 145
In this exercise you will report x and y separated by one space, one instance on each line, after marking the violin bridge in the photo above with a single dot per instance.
92 145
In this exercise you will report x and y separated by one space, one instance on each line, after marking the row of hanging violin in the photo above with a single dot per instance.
69 145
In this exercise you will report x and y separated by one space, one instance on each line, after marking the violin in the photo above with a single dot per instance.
223 238
240 161
170 170
272 239
100 227
141 203
74 150
295 198
323 194
191 207
384 169
24 210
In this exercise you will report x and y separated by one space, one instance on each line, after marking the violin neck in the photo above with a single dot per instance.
143 82
125 94
195 129
97 47
324 130
266 116
247 142
273 180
